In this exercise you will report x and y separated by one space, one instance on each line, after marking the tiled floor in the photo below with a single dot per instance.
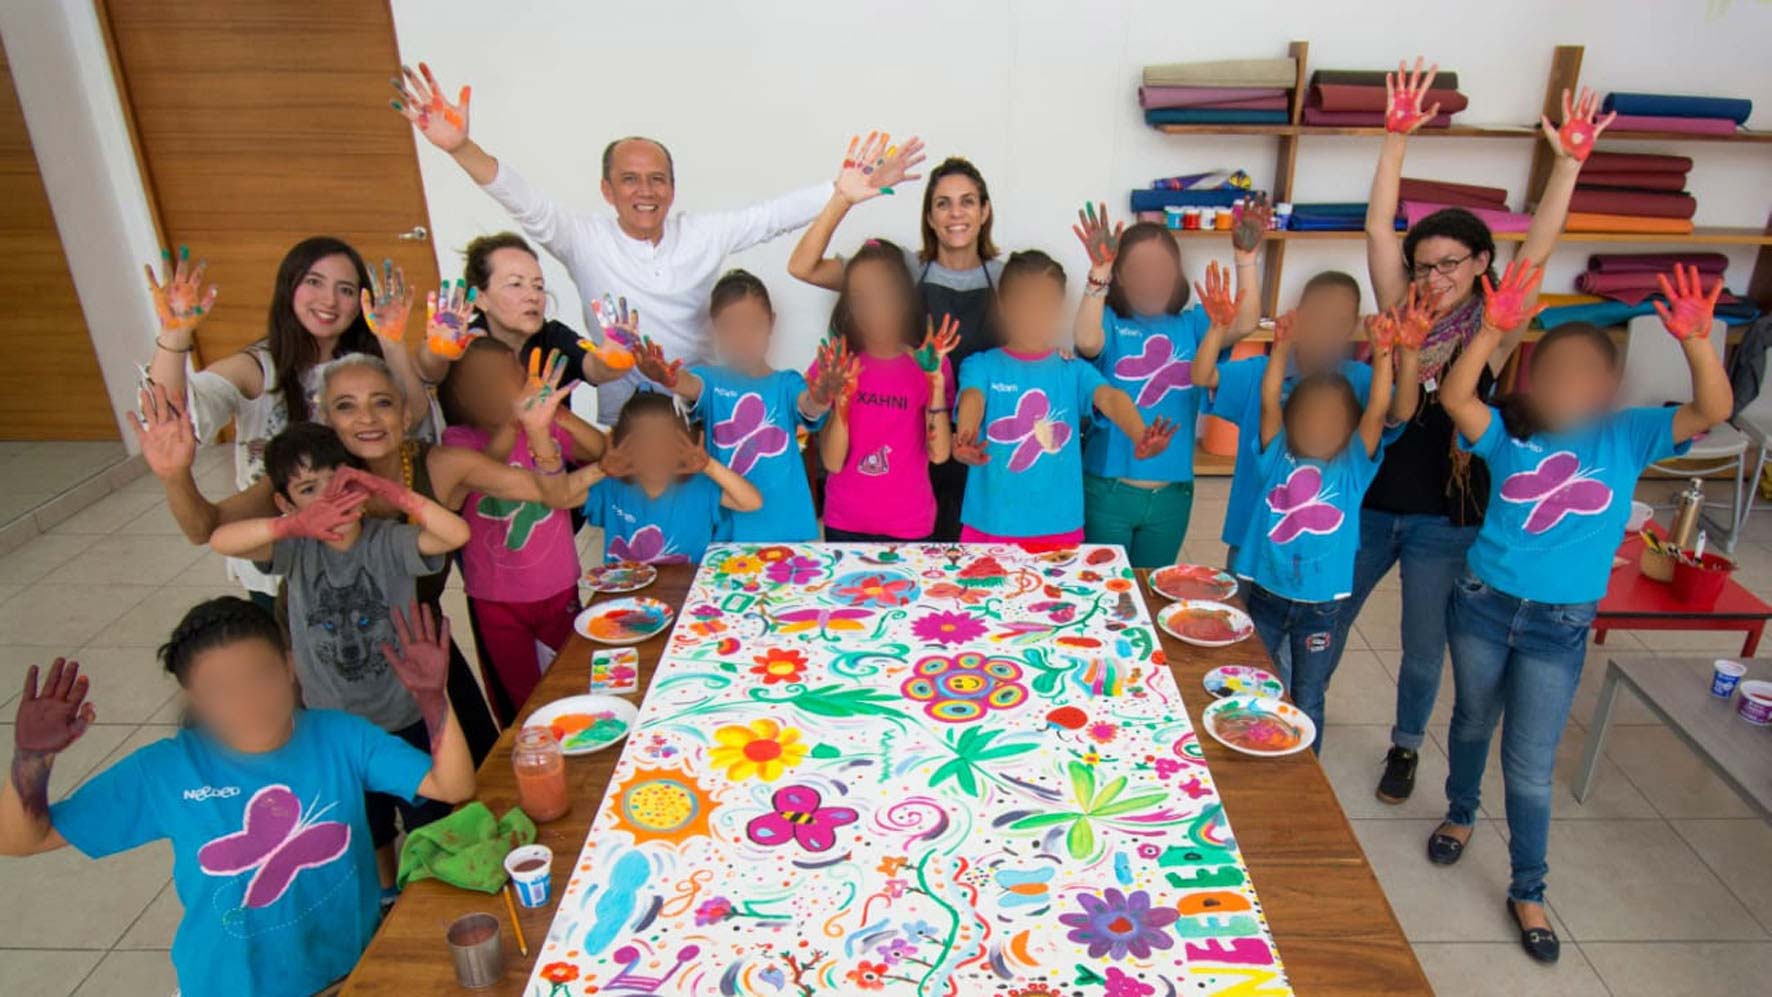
1659 883
32 473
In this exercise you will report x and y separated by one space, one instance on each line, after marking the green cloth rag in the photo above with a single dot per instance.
466 848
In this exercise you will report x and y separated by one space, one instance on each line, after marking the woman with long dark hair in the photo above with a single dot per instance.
316 314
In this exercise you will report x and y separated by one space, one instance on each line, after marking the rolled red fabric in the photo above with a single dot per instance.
1662 123
1654 263
1630 288
1342 97
1636 162
1464 195
1630 202
1632 181
1361 119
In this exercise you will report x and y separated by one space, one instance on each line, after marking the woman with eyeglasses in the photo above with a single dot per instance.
1425 506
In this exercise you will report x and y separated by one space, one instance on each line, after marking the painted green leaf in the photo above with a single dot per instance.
1107 794
826 751
1081 840
837 701
1042 820
1082 782
1004 751
1130 805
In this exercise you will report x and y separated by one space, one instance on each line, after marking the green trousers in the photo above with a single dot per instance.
1149 522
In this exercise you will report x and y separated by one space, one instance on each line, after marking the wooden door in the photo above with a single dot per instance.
260 123
50 385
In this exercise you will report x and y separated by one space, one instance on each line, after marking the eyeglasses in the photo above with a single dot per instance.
1444 268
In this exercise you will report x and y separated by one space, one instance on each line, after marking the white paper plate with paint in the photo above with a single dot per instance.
585 723
1205 624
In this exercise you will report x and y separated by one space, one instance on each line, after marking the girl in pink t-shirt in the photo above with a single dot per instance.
893 422
520 565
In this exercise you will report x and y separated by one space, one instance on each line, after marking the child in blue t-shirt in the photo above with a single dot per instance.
753 412
1143 341
1325 320
263 801
1318 452
1562 468
1025 484
662 498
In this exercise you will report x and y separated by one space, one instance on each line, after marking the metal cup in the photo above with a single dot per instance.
477 949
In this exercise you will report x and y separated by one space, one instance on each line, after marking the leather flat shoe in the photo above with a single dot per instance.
1539 943
1444 849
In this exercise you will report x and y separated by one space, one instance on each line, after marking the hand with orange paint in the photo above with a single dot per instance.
1215 296
834 373
446 319
1504 305
1691 311
1381 331
621 332
182 301
874 166
543 391
387 303
1414 318
1404 91
421 102
937 343
651 362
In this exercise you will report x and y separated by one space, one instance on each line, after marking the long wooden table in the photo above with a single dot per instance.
1335 930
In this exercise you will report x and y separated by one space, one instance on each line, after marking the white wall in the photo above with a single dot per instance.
758 97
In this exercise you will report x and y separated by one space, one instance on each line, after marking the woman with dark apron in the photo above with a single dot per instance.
957 272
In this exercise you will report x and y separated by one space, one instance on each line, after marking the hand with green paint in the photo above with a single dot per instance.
421 102
937 344
874 166
387 303
540 401
182 301
1102 242
447 314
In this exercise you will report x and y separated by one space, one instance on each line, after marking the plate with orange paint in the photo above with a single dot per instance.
586 723
1259 725
624 621
1193 581
1205 624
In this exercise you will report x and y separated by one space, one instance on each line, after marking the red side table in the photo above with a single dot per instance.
1636 602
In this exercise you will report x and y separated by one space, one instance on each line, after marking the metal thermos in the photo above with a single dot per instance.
1685 531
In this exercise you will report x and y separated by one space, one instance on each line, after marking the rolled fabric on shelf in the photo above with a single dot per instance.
1632 181
1707 263
1345 97
1636 162
1584 221
1213 116
1626 202
1361 119
1497 220
1626 123
1224 73
1446 192
1445 79
1671 105
1156 96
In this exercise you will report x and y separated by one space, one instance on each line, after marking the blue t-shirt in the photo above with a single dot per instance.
674 528
1152 360
1558 502
1033 410
750 424
1305 530
271 853
1238 399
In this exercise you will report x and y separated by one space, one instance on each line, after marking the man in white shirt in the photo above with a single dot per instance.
664 264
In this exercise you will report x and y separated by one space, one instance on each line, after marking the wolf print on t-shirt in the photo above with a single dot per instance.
1559 486
1156 369
750 434
1035 430
1302 505
347 625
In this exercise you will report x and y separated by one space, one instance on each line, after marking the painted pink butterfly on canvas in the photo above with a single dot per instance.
647 544
799 817
1302 506
1032 429
1158 369
276 842
1557 487
749 433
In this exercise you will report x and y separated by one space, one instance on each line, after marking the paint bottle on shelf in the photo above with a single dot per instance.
540 769
1686 513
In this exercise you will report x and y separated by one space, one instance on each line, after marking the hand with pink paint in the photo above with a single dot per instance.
1155 440
1689 309
1404 91
1575 139
1504 305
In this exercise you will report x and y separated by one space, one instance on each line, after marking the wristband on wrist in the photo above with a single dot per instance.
169 349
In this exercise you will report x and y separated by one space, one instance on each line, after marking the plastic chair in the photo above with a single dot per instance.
1656 373
1756 421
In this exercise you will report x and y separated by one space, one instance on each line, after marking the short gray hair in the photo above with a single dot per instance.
609 155
327 371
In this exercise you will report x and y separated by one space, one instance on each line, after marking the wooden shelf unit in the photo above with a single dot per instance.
1565 72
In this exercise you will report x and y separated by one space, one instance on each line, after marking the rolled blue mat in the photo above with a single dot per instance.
1213 116
1157 200
1604 313
1675 105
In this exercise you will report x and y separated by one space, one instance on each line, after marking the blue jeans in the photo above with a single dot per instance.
1432 552
1306 632
1518 661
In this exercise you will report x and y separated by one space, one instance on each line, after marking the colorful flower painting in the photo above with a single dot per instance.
911 770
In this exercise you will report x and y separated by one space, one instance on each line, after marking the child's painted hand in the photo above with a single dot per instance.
50 720
1101 242
387 303
692 457
835 371
543 393
164 432
421 102
874 166
937 344
1504 307
421 662
350 481
1404 91
1575 139
322 518
446 319
1381 331
617 461
1250 221
1155 439
621 336
1283 328
1414 318
1689 316
182 301
650 360
1215 296
968 449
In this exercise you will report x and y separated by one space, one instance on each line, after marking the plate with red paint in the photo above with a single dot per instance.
1193 581
1259 725
1204 623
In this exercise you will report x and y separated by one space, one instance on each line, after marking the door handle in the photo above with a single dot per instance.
418 234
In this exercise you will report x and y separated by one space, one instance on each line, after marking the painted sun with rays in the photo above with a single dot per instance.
662 805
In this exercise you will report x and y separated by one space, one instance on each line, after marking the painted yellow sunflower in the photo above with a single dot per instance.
761 748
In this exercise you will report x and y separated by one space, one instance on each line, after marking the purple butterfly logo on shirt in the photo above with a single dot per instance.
1302 506
276 843
1557 487
749 433
1032 429
798 817
646 544
1158 369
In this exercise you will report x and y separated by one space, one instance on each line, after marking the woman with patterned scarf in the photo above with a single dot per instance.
1424 507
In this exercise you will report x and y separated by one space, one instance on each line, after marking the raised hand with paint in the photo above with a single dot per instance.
874 166
1574 138
182 301
1404 91
1687 314
419 98
163 432
270 828
1504 306
621 336
1250 220
387 303
447 316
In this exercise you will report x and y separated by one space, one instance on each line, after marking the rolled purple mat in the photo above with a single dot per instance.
1343 97
1629 202
1633 181
1654 263
1361 119
1204 96
1636 162
1498 221
1463 195
1661 123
